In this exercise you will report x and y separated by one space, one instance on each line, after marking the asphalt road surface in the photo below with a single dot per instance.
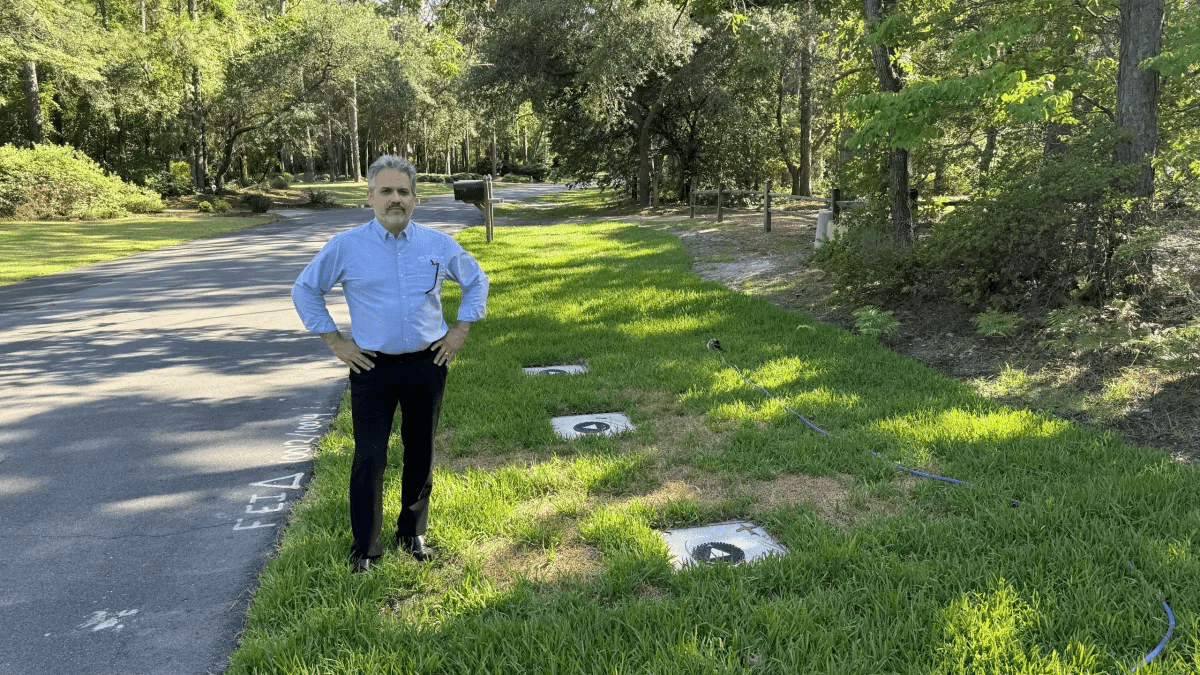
157 419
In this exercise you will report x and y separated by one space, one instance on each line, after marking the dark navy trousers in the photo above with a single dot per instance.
415 384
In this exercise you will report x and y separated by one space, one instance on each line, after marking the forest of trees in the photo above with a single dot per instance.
1070 124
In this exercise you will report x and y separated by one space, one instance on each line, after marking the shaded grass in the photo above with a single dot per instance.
31 249
549 561
584 202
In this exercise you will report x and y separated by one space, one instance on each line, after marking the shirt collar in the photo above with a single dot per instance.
383 234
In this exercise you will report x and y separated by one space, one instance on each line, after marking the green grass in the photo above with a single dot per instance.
32 249
549 560
558 205
354 194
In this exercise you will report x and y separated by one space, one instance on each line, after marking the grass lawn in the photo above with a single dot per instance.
584 202
548 557
31 249
354 194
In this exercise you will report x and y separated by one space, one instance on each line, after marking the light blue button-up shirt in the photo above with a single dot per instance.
393 286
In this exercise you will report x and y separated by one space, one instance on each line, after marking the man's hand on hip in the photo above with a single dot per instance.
447 348
349 352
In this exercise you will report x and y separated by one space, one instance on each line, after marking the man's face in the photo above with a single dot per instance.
392 198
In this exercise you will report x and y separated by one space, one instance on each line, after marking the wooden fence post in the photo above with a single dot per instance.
767 207
720 212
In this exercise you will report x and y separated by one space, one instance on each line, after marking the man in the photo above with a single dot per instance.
392 270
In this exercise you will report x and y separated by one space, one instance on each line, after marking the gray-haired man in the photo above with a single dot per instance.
392 270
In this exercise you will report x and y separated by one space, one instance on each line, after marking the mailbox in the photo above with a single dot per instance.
470 191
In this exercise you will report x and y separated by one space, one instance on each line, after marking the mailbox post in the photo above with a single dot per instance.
479 193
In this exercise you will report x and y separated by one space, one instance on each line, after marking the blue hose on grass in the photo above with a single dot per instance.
714 344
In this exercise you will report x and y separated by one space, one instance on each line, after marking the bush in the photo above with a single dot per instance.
537 172
205 207
220 205
514 178
52 181
259 203
325 178
466 176
170 183
280 182
433 178
321 198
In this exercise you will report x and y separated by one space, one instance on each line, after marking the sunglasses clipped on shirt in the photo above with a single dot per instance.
437 268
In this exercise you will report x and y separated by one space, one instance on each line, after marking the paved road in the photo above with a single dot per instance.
156 421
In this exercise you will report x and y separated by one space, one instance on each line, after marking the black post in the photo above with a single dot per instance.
767 207
833 202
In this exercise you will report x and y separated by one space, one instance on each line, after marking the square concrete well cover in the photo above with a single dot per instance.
732 542
593 424
571 369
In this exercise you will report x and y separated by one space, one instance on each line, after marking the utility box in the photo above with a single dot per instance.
470 191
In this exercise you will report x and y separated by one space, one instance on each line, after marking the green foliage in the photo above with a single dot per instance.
205 207
1047 222
872 322
259 203
995 322
1083 330
51 181
169 183
281 182
434 178
514 178
465 176
1176 349
320 197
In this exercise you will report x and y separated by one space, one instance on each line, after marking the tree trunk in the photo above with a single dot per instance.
33 102
330 159
201 151
1141 32
310 167
806 104
282 7
989 151
354 157
103 13
891 79
781 137
495 167
143 4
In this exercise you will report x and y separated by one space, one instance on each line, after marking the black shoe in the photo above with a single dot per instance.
360 564
414 546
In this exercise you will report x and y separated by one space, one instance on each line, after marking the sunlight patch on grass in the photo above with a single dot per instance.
32 249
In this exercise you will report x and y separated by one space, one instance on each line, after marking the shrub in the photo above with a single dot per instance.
52 181
170 183
259 203
433 178
205 207
220 205
537 172
993 322
321 198
279 182
872 322
325 178
515 178
467 175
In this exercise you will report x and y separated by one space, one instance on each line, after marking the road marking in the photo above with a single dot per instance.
294 479
102 620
